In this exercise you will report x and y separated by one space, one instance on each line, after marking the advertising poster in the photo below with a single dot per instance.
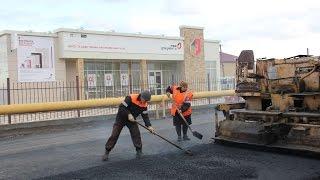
124 79
92 80
108 79
35 59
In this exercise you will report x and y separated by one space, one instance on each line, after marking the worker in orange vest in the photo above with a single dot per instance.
129 110
181 98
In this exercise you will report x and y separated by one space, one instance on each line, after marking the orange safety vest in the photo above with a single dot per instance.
134 100
178 99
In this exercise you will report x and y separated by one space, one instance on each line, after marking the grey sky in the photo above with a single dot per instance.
273 28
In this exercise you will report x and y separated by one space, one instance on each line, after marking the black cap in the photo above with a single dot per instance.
146 95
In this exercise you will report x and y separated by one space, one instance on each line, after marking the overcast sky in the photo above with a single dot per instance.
272 28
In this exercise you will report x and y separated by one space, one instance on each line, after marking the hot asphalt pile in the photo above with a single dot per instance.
209 161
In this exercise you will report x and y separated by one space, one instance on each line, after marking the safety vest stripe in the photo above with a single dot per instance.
125 104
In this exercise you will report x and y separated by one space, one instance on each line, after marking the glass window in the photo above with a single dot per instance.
135 81
157 66
154 66
169 66
100 66
108 66
163 71
211 64
100 78
135 66
124 66
89 66
151 66
116 66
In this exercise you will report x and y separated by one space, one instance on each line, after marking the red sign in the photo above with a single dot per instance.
195 47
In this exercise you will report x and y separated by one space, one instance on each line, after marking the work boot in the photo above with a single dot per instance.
139 153
105 157
179 138
186 138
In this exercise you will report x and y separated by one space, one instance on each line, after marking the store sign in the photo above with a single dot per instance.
35 59
92 80
172 47
108 80
195 47
121 44
124 77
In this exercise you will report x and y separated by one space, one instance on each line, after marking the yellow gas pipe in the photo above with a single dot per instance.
93 103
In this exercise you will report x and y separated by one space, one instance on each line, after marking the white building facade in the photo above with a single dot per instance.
116 62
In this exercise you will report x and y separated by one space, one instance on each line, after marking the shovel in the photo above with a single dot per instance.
179 147
194 133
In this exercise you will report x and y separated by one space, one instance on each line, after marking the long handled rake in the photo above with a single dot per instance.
170 142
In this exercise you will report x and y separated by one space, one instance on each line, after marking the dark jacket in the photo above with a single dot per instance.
127 107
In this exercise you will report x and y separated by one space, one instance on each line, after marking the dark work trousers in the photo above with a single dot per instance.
117 127
178 123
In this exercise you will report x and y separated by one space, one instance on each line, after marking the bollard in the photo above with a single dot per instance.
8 98
163 108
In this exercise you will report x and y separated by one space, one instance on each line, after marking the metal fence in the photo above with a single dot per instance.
41 92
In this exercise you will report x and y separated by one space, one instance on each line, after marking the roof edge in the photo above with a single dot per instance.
27 33
212 41
190 27
116 34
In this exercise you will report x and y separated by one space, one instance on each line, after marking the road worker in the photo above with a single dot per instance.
181 100
129 110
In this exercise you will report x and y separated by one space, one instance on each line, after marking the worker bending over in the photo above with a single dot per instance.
129 110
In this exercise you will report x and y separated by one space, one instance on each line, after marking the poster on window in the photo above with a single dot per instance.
92 80
124 79
108 80
35 59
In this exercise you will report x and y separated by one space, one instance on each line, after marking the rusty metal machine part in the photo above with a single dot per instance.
244 64
246 57
225 108
282 107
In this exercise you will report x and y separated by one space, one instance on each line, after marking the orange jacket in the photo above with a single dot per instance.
132 104
178 99
134 99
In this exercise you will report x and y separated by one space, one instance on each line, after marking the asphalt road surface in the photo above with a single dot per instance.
75 153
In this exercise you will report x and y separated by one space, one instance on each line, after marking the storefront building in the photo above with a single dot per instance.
111 63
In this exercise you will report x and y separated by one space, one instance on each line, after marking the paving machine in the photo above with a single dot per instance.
282 103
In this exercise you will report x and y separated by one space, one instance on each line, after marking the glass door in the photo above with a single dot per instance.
155 82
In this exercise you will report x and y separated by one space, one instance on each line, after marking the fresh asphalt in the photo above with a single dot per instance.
75 153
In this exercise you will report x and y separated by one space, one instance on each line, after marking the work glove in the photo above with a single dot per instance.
184 107
168 94
131 118
180 112
151 129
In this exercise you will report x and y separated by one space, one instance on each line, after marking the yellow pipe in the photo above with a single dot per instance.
92 103
198 95
57 106
207 94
